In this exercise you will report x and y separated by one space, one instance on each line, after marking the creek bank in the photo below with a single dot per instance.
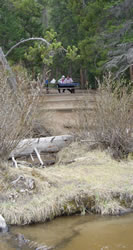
91 183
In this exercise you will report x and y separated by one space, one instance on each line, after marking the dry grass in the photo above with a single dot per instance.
94 183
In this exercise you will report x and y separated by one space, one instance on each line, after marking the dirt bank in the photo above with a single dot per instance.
92 182
59 113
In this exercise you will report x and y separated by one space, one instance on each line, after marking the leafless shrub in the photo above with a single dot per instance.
113 117
110 122
16 114
84 117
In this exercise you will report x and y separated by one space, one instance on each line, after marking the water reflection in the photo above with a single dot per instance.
80 233
104 234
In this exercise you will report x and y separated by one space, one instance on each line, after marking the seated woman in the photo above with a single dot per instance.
68 80
60 81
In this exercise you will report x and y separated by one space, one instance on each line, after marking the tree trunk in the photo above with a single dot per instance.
45 18
46 144
43 74
83 78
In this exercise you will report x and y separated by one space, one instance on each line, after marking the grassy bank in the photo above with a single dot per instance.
91 182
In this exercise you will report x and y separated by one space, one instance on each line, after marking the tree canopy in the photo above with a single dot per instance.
96 30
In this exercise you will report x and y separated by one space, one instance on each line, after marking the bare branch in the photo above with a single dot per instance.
30 39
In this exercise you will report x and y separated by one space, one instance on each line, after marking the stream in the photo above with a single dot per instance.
90 232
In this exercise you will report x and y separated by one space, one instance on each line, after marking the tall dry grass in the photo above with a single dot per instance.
17 109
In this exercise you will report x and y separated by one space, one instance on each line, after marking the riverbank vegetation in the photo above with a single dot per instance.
91 183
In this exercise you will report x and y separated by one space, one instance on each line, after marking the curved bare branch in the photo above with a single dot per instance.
29 39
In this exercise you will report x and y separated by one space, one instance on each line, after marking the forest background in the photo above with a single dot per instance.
99 31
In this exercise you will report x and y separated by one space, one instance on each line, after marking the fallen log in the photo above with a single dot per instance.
44 144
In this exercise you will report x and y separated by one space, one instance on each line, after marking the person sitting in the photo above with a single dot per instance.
68 80
60 81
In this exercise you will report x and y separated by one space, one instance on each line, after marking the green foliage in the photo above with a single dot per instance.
72 53
112 3
86 29
40 54
45 55
64 23
10 28
19 19
29 12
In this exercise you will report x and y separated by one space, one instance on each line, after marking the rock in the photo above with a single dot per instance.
3 225
21 240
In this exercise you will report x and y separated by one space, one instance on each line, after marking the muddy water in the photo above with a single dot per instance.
77 233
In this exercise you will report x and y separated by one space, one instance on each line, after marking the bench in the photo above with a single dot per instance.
69 86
